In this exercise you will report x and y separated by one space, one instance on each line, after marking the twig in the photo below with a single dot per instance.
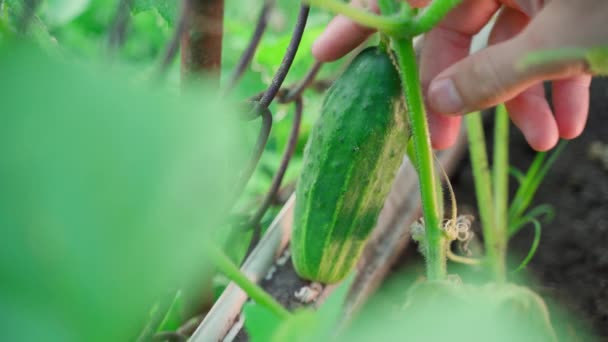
118 29
290 54
254 42
278 177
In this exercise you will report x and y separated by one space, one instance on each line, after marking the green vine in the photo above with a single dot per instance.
223 263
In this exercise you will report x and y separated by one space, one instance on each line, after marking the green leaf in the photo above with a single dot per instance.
535 242
302 326
173 318
331 312
109 188
60 12
598 60
260 323
166 8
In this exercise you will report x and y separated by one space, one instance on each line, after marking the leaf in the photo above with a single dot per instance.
166 8
60 12
173 317
302 326
108 190
260 323
535 242
598 60
331 312
596 57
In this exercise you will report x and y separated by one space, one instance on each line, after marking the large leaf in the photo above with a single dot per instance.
108 192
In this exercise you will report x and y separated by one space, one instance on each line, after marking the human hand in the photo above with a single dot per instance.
455 83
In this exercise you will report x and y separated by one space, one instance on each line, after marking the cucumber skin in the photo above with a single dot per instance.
350 162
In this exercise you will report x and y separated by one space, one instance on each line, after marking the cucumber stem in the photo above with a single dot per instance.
431 15
223 263
500 179
436 241
495 245
392 25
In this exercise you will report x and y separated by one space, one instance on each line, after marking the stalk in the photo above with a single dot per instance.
431 16
223 263
483 191
393 25
435 239
500 175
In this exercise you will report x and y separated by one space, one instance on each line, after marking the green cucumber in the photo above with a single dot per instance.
350 162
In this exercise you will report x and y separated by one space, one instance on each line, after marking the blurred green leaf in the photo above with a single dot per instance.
166 8
61 12
108 191
260 323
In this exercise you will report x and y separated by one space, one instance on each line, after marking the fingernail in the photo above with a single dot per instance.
444 97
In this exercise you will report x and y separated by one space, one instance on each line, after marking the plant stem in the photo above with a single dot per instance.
223 263
435 238
393 25
431 16
536 173
483 191
500 178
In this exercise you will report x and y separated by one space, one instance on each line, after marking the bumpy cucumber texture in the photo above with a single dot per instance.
352 157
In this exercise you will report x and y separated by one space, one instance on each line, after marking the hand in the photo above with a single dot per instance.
456 83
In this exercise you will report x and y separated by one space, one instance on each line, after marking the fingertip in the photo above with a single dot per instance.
444 130
571 104
531 113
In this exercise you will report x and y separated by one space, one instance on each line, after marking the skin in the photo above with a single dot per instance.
455 82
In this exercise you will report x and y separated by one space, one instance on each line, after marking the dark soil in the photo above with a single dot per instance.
571 264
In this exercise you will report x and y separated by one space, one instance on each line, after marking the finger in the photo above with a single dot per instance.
341 36
443 46
492 75
444 130
571 105
531 113
529 110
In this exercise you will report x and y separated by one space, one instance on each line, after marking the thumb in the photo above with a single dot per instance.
492 76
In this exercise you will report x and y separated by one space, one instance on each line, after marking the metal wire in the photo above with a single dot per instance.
290 54
118 29
173 45
254 42
287 154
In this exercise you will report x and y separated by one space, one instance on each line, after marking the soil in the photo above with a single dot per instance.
571 264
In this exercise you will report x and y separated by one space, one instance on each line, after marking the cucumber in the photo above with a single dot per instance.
350 161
